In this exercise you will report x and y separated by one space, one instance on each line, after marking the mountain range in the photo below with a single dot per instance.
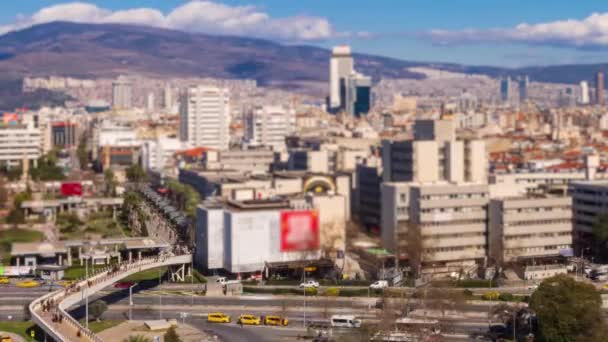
108 50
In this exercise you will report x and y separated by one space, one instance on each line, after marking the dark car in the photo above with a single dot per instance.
124 285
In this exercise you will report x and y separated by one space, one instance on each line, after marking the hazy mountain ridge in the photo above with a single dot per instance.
107 50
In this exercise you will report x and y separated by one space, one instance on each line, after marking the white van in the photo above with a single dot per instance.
345 321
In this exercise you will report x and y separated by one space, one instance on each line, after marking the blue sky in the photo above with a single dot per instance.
461 31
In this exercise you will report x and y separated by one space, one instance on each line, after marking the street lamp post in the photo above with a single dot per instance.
304 289
131 301
160 297
86 292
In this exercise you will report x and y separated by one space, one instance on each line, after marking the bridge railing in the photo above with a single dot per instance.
101 278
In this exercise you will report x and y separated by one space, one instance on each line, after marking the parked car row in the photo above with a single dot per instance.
246 319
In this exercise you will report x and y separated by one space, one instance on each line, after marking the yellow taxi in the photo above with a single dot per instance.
6 338
276 320
65 283
4 280
249 320
218 317
28 284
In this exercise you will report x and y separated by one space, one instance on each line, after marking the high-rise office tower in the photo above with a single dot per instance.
205 117
523 83
505 89
122 93
168 98
341 66
358 94
150 102
584 88
599 88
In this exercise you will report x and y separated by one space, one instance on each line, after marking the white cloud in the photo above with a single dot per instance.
586 33
193 16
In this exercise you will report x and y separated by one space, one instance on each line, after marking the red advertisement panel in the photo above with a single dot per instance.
299 231
71 189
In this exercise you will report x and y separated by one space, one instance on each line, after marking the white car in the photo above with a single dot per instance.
380 284
309 284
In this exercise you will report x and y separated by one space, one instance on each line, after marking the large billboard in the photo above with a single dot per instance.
69 189
299 231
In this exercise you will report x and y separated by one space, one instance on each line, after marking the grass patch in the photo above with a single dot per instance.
8 237
22 329
196 278
97 224
147 275
99 326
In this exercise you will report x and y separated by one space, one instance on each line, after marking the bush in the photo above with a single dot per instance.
310 291
506 297
493 295
332 292
474 283
172 336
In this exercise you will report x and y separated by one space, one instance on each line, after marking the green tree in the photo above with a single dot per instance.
172 336
137 338
568 311
600 234
110 180
82 153
136 174
17 215
97 309
3 193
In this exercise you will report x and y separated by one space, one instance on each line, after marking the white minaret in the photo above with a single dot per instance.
340 68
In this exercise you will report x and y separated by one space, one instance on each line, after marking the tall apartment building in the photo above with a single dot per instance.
20 142
122 93
523 82
269 125
434 155
584 88
205 117
529 227
341 66
505 89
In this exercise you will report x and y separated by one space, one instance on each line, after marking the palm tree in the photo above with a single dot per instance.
137 338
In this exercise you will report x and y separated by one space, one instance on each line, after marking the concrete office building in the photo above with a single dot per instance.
254 161
505 89
227 230
367 195
20 142
452 223
122 93
529 227
269 125
205 117
590 201
434 155
341 67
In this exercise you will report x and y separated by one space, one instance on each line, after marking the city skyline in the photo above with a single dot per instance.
507 33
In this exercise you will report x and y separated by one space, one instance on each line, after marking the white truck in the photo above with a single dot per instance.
224 281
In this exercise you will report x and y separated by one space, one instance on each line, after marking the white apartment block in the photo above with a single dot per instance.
451 219
159 154
20 142
529 227
205 117
122 93
269 125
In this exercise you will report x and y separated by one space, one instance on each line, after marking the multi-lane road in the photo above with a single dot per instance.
155 303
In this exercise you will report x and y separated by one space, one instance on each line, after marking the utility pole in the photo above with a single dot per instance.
304 289
160 297
131 301
86 292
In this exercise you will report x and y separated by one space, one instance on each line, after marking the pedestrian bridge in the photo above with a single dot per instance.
46 310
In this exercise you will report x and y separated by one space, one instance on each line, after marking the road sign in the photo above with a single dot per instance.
32 333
